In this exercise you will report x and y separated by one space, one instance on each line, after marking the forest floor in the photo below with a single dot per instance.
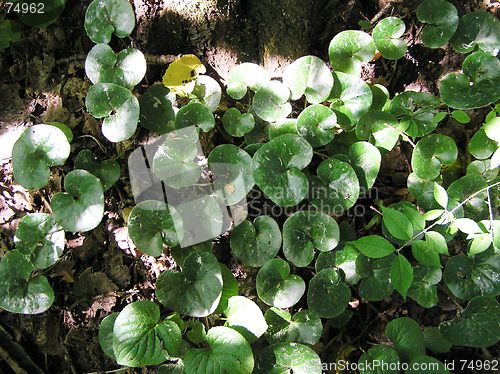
42 79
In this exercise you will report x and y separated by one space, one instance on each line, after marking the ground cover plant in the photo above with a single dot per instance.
310 145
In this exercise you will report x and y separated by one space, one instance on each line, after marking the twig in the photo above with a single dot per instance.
160 59
383 10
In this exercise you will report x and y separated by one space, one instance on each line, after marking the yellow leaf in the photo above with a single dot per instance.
181 74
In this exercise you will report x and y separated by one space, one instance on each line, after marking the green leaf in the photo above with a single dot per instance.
244 316
423 289
467 277
228 352
38 148
343 259
436 242
281 127
52 9
376 274
480 146
107 171
196 290
119 108
277 169
350 96
140 339
335 188
157 113
492 128
229 288
21 292
270 102
401 275
40 238
407 337
423 190
426 365
103 18
172 368
378 354
435 341
349 49
479 244
467 226
196 333
381 97
431 153
380 128
232 169
308 76
305 231
441 18
397 224
327 295
195 114
417 112
387 38
463 188
460 116
284 358
246 76
277 287
476 86
207 91
317 124
304 327
126 68
255 244
81 207
365 159
425 254
10 32
236 123
440 195
106 335
175 163
374 246
495 160
480 29
477 326
151 224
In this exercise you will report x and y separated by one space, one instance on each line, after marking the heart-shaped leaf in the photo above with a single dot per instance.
244 316
107 171
196 290
157 113
467 277
463 188
277 287
255 244
349 49
308 76
236 123
377 354
477 326
151 224
304 327
284 358
81 207
335 188
476 87
232 169
343 259
281 127
140 339
21 292
38 148
227 350
119 108
105 17
423 190
480 29
305 231
380 128
246 76
441 18
126 68
208 91
407 337
387 38
195 114
276 169
174 163
181 75
431 153
327 295
416 111
270 102
317 124
376 274
41 238
365 159
106 335
350 96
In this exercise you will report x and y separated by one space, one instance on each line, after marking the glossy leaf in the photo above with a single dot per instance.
401 275
270 102
397 224
106 335
195 114
387 38
284 358
108 171
157 113
365 159
246 76
304 327
236 123
317 124
431 153
480 29
374 246
376 274
441 18
379 353
435 341
103 18
380 128
208 91
327 295
244 316
407 337
349 49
